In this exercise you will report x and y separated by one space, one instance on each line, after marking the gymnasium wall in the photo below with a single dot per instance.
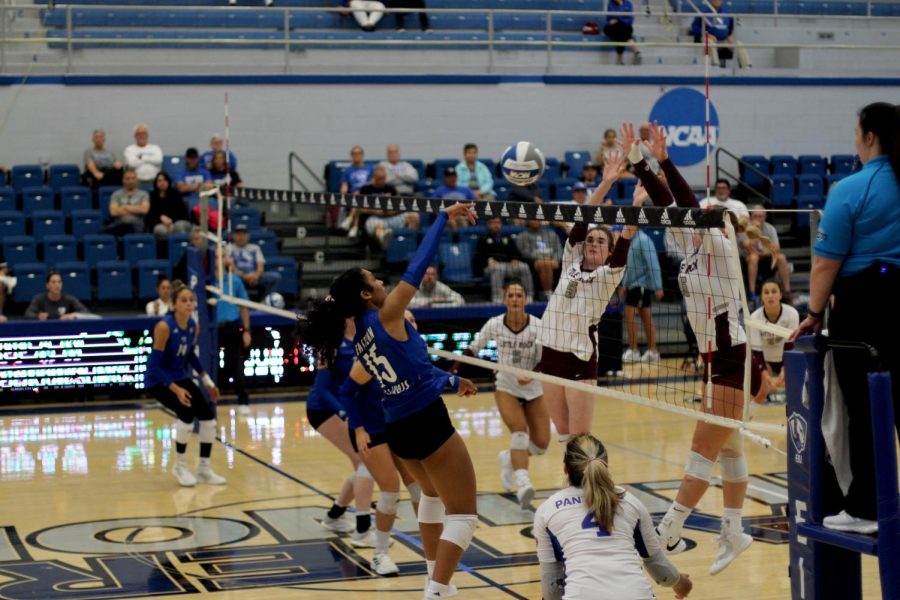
321 121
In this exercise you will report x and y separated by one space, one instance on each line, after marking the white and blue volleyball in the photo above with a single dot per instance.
522 163
275 300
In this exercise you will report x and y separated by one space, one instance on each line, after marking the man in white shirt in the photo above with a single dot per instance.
400 174
723 198
146 159
434 293
249 262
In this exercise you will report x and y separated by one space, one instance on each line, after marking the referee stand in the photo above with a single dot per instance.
825 563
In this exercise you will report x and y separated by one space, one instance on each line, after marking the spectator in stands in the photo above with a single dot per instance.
433 292
222 176
53 304
100 165
721 30
216 145
619 28
723 199
168 213
607 146
579 193
590 175
763 256
498 257
541 247
452 191
401 17
476 174
366 12
235 334
353 178
7 284
128 207
163 303
193 179
250 263
380 224
400 174
146 159
642 281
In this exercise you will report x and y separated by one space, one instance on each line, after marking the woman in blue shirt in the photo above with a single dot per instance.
857 260
619 28
417 425
720 28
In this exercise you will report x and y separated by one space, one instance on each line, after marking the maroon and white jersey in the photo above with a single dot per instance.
771 344
515 349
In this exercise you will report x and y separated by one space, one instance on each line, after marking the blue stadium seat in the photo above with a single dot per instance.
113 280
807 202
810 185
86 222
47 222
575 160
149 272
32 280
249 216
440 165
27 176
37 198
457 262
811 164
782 192
751 177
471 235
11 223
491 164
63 175
104 194
287 266
173 165
552 168
563 187
842 163
177 243
76 277
833 179
267 242
419 166
783 164
99 247
19 249
59 248
501 188
658 235
138 246
75 197
333 171
7 199
402 246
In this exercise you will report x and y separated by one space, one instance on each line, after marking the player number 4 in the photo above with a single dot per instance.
590 522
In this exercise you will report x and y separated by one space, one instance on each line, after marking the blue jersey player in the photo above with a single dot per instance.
168 379
417 426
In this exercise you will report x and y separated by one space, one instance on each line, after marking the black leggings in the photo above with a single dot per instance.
200 407
232 340
401 17
619 32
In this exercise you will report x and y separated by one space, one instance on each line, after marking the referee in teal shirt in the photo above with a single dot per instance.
857 260
234 335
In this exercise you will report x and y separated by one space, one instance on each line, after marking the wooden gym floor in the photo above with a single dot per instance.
90 509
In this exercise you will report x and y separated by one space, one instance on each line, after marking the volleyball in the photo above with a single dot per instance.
275 300
522 163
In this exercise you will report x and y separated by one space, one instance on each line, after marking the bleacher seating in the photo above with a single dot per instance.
842 163
402 246
76 277
99 247
456 262
12 223
63 175
104 194
149 271
249 216
575 162
75 197
287 266
782 192
59 249
267 242
27 176
812 165
19 249
7 199
781 164
47 222
37 198
113 280
751 177
177 242
138 246
810 185
86 222
32 280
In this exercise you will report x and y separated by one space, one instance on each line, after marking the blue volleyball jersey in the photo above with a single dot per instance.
176 354
402 369
370 410
323 395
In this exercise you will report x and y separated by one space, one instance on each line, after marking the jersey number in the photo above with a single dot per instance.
182 349
380 366
590 522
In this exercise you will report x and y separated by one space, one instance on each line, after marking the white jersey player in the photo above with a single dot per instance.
520 401
770 346
593 537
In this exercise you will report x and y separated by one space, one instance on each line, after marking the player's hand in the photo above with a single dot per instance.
809 325
362 441
461 210
213 394
626 133
466 387
43 316
182 394
657 144
659 294
614 166
684 586
640 195
779 383
246 338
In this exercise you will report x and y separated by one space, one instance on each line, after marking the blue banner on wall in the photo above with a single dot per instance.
682 111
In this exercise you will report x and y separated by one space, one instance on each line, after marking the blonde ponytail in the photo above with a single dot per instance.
755 236
585 462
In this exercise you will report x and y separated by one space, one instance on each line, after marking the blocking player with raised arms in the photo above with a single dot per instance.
168 379
520 401
418 426
592 269
706 272
593 536
769 347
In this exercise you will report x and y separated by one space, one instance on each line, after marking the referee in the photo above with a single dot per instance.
857 260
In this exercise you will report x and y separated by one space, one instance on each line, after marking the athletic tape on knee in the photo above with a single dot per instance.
362 471
735 445
733 468
207 432
431 509
698 466
459 529
534 449
387 503
183 431
519 440
415 492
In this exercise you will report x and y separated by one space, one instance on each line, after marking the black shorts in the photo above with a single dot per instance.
775 366
200 408
375 439
567 365
317 416
639 297
420 434
728 368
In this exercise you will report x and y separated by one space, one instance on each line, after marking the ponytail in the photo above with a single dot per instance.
323 328
883 120
755 235
586 464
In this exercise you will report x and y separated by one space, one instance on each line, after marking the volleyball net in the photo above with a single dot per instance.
697 316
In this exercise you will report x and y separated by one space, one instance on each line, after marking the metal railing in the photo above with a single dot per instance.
736 177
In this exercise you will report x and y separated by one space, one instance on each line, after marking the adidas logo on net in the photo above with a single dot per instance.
642 218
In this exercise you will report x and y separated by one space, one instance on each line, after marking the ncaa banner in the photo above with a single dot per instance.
682 112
